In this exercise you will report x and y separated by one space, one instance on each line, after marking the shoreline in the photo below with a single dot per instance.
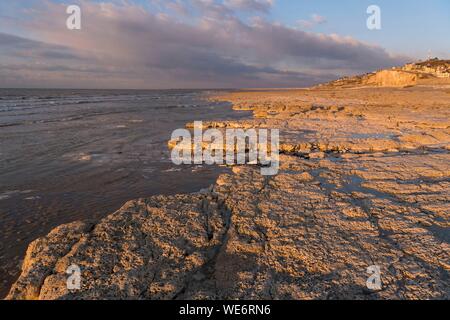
345 199
61 174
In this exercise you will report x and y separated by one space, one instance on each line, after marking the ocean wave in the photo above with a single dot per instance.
25 103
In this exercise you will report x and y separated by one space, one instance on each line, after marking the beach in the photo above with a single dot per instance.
70 155
363 182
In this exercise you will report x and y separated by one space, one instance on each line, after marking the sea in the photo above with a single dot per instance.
68 155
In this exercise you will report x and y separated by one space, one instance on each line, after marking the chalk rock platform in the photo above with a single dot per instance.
364 181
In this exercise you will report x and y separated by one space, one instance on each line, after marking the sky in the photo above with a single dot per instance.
160 44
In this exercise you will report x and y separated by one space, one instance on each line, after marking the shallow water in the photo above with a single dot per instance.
67 155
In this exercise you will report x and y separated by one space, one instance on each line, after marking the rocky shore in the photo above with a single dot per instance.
364 180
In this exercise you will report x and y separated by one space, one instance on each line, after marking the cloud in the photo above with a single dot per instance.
123 45
250 5
315 20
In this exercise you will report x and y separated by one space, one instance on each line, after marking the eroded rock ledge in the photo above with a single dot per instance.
308 233
150 249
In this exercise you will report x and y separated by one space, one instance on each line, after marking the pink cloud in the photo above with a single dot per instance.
125 45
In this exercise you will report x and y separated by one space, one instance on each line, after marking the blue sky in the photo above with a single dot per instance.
212 43
408 26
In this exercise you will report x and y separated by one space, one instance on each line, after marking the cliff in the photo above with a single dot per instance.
392 78
429 72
